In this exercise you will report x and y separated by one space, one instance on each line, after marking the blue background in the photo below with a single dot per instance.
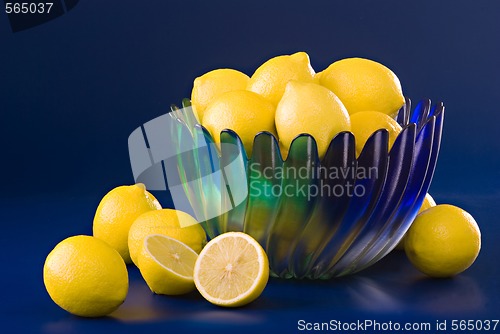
73 89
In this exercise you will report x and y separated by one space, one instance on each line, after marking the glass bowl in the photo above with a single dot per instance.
315 218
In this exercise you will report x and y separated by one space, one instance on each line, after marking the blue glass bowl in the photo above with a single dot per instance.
315 218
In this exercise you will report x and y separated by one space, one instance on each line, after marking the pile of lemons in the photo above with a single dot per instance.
87 275
286 97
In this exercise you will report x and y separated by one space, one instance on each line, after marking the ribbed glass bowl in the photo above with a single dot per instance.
315 218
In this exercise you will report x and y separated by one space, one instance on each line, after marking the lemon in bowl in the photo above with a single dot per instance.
363 84
245 112
312 109
271 78
210 85
365 123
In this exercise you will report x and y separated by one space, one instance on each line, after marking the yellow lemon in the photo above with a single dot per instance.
167 265
85 276
317 78
365 123
232 270
173 223
247 113
363 84
270 79
443 241
428 202
117 211
214 83
313 109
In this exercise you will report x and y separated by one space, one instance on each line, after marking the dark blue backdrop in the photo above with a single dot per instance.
73 89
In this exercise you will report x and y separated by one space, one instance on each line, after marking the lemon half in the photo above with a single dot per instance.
167 265
232 270
173 223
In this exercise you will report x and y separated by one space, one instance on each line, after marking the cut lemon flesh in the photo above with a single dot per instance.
167 265
232 270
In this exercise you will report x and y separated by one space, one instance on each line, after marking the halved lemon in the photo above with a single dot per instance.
167 265
232 270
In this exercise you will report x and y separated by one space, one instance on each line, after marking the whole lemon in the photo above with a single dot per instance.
362 84
85 276
214 83
172 223
313 109
365 123
270 79
247 113
428 202
117 211
443 241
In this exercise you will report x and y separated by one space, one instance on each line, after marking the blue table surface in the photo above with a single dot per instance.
391 290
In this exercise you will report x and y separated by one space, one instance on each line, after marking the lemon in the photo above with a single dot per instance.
428 202
244 112
443 241
232 270
270 79
363 84
117 211
214 83
85 276
365 123
317 78
313 109
173 223
167 265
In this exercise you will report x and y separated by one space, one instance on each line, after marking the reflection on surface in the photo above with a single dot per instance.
460 294
143 306
395 285
225 316
391 287
62 326
370 295
457 295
